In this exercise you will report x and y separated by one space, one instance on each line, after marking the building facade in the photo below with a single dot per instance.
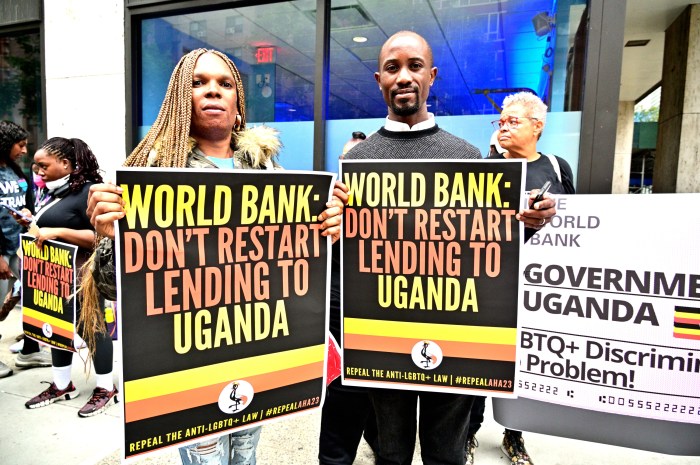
307 67
97 70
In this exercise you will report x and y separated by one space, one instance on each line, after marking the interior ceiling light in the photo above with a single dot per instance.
346 17
359 39
637 43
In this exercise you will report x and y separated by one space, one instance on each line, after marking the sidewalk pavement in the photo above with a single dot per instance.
56 435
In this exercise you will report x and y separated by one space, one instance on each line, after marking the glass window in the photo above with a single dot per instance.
483 49
274 48
645 135
20 87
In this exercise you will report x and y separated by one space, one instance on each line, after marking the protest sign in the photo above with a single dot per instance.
611 307
430 274
48 290
223 300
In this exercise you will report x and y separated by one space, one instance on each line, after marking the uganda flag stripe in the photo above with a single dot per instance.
57 330
688 310
687 316
685 333
44 318
196 378
484 351
433 331
686 323
197 397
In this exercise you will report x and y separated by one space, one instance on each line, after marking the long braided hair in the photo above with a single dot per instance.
169 139
81 158
170 133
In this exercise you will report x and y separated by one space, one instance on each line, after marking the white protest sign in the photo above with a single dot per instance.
611 307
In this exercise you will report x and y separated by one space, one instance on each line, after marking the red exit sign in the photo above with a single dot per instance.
265 55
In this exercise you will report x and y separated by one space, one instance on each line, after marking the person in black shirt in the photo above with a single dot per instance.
517 131
69 168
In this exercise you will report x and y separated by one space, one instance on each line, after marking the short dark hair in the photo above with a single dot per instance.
359 135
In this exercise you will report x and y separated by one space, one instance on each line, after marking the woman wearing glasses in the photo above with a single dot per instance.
517 132
520 127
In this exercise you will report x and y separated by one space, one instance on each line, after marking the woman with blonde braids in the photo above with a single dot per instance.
201 124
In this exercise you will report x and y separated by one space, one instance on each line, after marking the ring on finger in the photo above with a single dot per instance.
543 222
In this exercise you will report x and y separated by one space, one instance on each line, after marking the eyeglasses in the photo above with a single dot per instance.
513 122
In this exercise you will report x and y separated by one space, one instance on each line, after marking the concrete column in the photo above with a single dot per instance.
85 83
623 147
678 147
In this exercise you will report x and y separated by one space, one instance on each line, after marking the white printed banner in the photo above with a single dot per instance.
611 297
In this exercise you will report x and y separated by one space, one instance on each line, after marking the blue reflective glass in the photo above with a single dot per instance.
483 49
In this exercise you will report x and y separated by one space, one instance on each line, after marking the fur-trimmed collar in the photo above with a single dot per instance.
258 145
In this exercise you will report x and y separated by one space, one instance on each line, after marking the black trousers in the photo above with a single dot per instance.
347 413
442 426
476 416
